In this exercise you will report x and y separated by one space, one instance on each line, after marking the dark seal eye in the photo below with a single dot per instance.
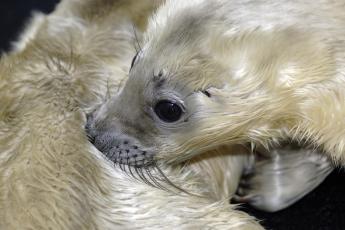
168 111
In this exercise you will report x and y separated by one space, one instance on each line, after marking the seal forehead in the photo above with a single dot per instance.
173 28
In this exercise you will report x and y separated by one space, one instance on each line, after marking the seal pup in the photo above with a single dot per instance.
214 73
51 177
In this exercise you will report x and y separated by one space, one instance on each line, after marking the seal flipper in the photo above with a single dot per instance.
284 177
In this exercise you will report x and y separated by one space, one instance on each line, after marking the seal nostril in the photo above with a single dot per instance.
125 142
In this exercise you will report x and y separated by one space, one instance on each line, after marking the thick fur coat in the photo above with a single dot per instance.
63 66
237 71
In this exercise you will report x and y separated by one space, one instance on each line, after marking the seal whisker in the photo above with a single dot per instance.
130 171
122 166
147 181
155 181
139 172
126 165
169 182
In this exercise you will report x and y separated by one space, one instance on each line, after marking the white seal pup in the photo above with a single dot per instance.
213 73
51 176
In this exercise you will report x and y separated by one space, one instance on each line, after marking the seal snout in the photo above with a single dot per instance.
118 147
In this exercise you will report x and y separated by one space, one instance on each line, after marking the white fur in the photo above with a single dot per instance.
275 70
51 177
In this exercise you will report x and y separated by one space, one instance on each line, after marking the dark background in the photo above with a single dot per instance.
323 209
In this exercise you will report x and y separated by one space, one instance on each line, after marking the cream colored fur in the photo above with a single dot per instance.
51 177
274 70
256 73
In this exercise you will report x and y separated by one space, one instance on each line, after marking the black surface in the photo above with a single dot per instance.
323 209
13 14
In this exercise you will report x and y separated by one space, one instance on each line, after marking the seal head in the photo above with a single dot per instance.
202 80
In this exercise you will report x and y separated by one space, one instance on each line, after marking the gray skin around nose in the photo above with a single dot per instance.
117 147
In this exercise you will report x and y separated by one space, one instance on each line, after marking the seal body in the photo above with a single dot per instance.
213 73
